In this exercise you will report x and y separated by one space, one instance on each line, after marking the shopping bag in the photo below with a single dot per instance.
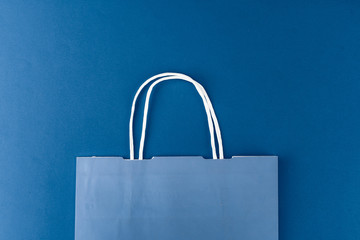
177 197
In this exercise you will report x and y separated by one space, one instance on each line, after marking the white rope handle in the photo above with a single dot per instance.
143 133
207 104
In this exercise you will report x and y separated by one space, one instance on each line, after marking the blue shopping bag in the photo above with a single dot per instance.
178 197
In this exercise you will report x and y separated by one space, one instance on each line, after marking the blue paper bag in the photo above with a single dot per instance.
184 197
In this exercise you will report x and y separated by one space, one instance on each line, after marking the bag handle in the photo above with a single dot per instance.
207 104
144 121
203 94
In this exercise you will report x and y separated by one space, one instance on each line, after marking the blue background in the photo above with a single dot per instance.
283 77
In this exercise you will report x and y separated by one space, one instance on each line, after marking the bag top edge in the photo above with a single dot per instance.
155 157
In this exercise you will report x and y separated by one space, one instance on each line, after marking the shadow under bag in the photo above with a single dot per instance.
182 197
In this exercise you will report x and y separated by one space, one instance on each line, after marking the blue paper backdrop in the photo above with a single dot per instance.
283 76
